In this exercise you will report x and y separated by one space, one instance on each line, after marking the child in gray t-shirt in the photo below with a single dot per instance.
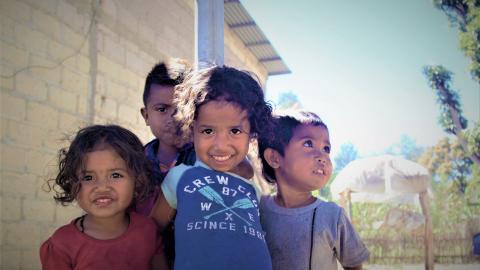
303 232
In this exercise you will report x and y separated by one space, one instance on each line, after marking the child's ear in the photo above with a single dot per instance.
144 113
272 157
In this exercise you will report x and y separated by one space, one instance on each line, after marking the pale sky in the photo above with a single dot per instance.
358 64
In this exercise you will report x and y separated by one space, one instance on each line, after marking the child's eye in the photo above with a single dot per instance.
327 149
161 109
117 175
235 131
207 131
308 143
87 178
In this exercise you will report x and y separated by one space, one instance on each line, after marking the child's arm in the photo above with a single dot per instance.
162 212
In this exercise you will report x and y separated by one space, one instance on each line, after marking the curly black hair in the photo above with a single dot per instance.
71 160
221 83
170 73
284 123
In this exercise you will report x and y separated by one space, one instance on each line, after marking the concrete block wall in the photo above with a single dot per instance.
65 64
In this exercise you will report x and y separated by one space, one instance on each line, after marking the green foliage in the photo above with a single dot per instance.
439 79
288 100
473 138
448 163
465 14
407 148
348 152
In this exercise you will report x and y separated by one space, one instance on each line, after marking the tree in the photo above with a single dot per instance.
347 153
465 14
407 148
451 118
447 162
288 100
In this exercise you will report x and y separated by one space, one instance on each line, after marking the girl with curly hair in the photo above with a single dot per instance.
105 171
217 222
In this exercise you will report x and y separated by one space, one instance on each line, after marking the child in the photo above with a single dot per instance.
217 222
104 170
167 149
304 232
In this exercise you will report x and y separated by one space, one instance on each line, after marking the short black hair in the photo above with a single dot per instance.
284 123
167 73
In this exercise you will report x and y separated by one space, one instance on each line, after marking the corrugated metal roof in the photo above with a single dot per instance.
242 24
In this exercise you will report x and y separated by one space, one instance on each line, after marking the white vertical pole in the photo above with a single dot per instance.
209 33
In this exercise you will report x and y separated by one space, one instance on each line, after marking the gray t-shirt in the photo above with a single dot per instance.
289 230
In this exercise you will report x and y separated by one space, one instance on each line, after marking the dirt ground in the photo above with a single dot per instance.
422 267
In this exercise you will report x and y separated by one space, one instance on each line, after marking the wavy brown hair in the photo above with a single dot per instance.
221 83
96 137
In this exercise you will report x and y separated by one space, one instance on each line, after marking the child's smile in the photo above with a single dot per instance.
221 135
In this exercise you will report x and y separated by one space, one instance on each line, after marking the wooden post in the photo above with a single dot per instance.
424 202
346 202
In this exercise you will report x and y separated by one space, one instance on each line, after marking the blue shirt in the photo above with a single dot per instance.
217 225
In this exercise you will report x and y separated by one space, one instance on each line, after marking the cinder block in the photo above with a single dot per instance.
43 115
65 214
134 63
26 135
10 256
105 107
129 77
74 16
32 41
21 234
74 82
48 71
8 28
47 6
70 123
128 114
108 67
13 107
117 92
56 139
46 24
38 210
18 184
59 52
82 106
72 39
6 83
37 161
21 12
11 208
30 258
31 87
13 158
113 49
15 57
83 64
62 99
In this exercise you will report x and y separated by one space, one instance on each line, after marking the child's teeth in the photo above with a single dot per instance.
221 158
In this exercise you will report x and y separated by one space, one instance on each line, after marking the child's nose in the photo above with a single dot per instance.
221 140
